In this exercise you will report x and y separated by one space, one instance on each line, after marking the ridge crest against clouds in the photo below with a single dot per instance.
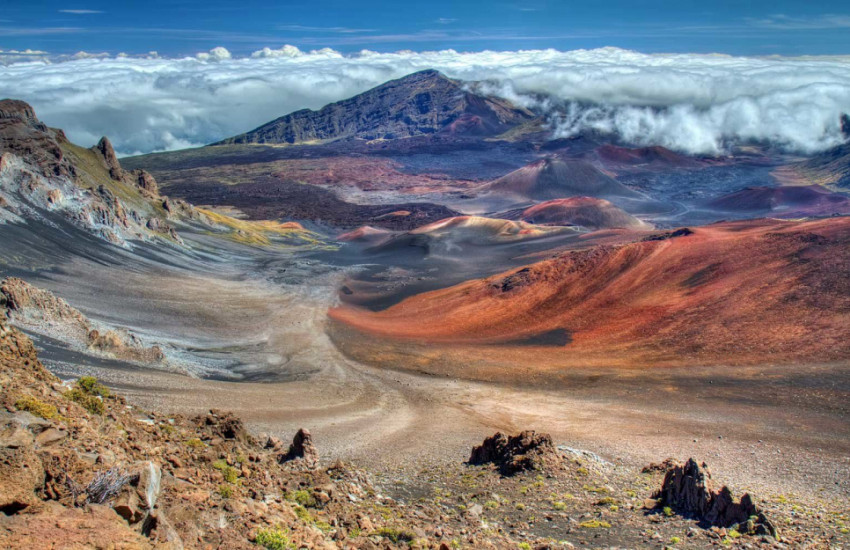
695 103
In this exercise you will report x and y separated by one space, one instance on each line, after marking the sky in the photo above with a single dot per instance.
180 27
696 77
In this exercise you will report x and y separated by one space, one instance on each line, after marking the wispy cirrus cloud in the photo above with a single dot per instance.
785 22
307 28
38 31
81 12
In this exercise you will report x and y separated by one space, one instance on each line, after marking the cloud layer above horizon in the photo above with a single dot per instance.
699 104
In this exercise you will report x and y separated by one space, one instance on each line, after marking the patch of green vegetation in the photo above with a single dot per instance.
354 532
89 393
606 501
594 524
592 489
41 409
520 506
675 540
195 443
167 428
560 506
231 474
395 535
734 534
91 403
667 511
302 497
631 494
273 539
524 546
90 385
226 491
491 505
582 471
844 530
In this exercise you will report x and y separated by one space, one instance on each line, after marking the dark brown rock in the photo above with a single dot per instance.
687 490
302 450
511 454
224 425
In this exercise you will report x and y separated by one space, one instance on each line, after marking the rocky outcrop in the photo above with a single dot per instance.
110 159
688 490
422 103
224 425
42 312
512 454
146 183
24 135
302 452
40 170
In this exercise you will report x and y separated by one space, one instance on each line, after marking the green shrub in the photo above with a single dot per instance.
226 491
91 386
560 506
195 443
524 546
595 524
91 403
231 474
273 539
395 535
675 540
491 505
667 511
41 409
302 497
607 501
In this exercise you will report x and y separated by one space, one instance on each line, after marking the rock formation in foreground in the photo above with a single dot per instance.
688 490
526 451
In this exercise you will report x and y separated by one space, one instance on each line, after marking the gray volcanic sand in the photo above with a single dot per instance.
260 318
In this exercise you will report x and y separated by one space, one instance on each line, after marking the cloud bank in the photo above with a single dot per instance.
699 104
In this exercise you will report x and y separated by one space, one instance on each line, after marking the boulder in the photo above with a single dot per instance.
224 425
21 470
302 450
512 454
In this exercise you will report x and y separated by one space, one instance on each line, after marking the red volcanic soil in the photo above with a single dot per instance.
553 178
588 212
644 158
364 173
732 293
795 201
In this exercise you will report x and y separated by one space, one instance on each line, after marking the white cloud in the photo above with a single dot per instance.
81 12
693 103
215 54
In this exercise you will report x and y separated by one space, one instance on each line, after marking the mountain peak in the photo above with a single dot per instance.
422 103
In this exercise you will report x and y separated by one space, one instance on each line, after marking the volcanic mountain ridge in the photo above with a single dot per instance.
422 103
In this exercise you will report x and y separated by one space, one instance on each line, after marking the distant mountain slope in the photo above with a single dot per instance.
587 212
790 201
422 103
554 178
828 168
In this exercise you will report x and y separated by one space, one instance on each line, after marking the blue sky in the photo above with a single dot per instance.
181 27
